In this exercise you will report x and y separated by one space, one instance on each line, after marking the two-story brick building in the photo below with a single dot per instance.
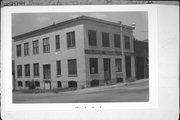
80 52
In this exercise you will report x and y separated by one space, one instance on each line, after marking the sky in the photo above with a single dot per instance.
26 22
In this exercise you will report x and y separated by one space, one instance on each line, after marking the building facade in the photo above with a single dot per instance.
80 52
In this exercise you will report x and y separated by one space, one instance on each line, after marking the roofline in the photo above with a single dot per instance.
75 20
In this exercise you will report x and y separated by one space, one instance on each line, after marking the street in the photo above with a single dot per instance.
135 92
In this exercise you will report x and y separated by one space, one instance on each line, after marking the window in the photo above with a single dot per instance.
27 70
71 39
35 47
27 83
105 39
127 42
72 67
47 71
37 83
19 70
18 48
117 41
20 84
36 69
118 63
58 84
46 45
57 38
58 66
92 38
93 65
26 49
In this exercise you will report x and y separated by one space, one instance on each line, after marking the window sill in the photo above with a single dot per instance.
58 75
91 46
27 76
36 76
72 75
19 76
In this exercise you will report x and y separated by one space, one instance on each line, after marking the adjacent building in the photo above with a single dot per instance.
80 52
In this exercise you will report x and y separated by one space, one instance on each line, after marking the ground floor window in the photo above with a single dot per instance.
72 84
58 84
94 83
20 84
93 62
37 83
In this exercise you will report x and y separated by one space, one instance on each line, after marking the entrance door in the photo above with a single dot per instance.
107 69
47 85
128 66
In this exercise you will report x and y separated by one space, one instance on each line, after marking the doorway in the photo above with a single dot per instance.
128 66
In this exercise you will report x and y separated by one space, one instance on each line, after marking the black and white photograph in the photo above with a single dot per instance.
80 57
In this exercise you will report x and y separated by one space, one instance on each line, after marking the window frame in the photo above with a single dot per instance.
18 50
36 72
92 64
46 45
117 41
19 73
92 38
46 71
105 39
35 47
58 67
75 73
127 42
118 64
57 42
26 49
71 39
27 70
19 84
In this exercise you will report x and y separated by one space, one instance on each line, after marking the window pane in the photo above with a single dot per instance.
117 41
27 70
19 70
71 39
46 45
105 39
93 65
36 69
58 66
26 49
118 65
35 47
72 67
127 42
18 48
57 42
92 38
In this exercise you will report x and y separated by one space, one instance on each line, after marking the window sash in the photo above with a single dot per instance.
19 70
46 45
117 41
47 71
18 47
72 67
27 70
26 48
57 38
71 39
105 39
36 69
127 42
93 65
118 63
92 38
58 66
35 47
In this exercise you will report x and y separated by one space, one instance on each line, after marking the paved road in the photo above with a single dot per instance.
132 93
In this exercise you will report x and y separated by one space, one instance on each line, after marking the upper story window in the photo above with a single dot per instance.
71 39
127 42
105 39
117 41
93 62
35 47
46 45
57 38
36 69
18 50
19 70
118 63
26 49
92 38
27 70
58 66
72 67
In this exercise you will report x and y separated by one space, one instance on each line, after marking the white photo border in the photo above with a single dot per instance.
6 70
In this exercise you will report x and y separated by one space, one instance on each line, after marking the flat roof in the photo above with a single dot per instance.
65 24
